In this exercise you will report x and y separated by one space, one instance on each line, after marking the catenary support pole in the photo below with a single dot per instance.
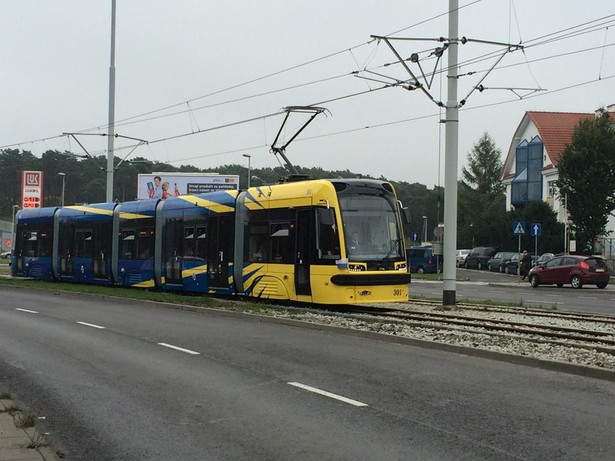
111 137
450 161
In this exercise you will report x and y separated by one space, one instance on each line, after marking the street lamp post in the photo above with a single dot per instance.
249 157
63 186
425 228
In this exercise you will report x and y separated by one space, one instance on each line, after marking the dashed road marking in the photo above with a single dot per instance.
181 349
341 398
26 310
556 296
587 297
91 325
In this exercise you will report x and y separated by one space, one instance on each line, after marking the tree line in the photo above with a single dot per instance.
586 169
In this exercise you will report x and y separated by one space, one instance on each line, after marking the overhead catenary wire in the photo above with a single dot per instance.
551 37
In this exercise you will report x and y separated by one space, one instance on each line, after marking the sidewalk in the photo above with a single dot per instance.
14 442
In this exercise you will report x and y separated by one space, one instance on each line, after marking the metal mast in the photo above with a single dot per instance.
111 134
451 147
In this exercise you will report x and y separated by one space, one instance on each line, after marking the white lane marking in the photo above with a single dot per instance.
26 310
181 349
587 297
329 394
91 325
555 296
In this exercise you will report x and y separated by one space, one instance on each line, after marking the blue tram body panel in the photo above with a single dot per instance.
84 239
32 253
133 252
193 262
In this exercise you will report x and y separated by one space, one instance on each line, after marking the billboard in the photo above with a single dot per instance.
31 189
163 185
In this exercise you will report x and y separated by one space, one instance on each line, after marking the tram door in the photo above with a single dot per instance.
302 261
220 232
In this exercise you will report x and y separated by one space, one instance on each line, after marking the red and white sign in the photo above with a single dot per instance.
31 189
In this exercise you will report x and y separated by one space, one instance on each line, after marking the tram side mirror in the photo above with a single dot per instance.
326 216
405 211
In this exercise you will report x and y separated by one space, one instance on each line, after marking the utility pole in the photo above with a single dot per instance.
423 82
110 163
451 146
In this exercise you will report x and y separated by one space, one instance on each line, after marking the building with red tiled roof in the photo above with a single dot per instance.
530 168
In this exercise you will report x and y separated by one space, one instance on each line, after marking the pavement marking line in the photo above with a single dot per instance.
91 325
181 349
26 310
556 296
587 297
356 403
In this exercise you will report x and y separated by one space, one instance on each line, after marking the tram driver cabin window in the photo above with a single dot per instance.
328 238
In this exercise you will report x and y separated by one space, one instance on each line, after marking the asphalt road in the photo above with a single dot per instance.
122 380
483 285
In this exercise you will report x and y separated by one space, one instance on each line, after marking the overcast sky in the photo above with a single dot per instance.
226 63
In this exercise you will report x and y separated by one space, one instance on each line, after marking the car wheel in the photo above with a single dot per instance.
576 281
420 270
479 266
534 281
602 284
506 271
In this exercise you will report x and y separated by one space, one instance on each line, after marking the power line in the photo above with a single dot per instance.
554 37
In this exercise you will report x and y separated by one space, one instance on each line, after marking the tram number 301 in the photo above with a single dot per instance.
397 292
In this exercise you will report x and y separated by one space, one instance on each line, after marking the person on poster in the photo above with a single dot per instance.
165 191
156 191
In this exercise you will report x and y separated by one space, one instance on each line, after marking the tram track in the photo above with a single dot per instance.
556 336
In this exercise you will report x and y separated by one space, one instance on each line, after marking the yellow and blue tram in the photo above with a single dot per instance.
318 241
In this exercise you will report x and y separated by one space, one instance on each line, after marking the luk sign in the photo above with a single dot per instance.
31 189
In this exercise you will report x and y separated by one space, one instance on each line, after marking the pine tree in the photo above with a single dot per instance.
484 167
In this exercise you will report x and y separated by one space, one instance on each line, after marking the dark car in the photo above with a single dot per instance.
512 266
572 269
479 256
498 262
422 259
543 258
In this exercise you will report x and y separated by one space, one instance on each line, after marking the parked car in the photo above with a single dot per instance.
543 258
512 266
422 259
5 255
498 262
573 269
461 257
478 257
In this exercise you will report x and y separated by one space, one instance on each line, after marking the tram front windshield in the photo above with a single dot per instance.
371 227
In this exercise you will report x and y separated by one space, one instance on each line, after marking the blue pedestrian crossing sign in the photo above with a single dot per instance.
536 229
519 228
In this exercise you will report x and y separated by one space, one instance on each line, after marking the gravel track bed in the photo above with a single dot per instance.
505 342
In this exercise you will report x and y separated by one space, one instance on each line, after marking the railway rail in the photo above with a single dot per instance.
582 339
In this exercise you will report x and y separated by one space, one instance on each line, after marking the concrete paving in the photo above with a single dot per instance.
17 444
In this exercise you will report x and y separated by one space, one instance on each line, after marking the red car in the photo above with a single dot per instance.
572 269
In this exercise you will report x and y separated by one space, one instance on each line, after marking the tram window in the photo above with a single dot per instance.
83 243
257 243
145 243
200 244
172 238
128 244
282 242
188 241
328 240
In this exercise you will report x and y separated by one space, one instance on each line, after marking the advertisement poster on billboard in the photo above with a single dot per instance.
164 185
